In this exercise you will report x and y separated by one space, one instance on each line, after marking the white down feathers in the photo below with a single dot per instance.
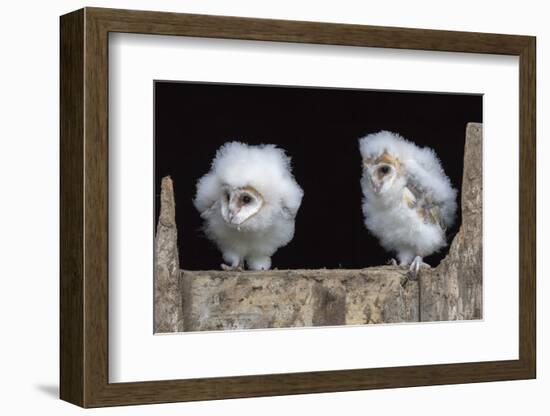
399 226
267 169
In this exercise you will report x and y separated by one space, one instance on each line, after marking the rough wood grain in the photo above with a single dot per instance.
453 290
219 300
168 315
71 288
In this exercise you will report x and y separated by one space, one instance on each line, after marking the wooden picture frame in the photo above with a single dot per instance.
84 207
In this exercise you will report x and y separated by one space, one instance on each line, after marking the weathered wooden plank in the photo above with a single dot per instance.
219 300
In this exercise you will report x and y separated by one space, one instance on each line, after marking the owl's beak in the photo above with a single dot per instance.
231 215
375 186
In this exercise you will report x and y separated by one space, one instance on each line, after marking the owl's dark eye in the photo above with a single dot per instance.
246 199
384 170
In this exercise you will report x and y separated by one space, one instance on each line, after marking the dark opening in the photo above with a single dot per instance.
319 128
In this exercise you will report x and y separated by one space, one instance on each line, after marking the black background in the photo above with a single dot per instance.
319 128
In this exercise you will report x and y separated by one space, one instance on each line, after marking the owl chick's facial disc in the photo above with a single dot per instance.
240 204
381 172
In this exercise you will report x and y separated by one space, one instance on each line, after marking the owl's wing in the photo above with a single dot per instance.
423 204
291 199
208 193
287 213
290 207
208 211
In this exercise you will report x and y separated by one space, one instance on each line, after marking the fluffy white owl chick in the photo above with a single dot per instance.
249 201
409 201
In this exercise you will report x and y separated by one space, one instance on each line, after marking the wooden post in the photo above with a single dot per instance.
453 290
168 312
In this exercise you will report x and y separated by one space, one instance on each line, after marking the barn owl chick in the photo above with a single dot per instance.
408 201
249 201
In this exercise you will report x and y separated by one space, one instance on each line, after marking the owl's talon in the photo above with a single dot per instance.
412 274
392 262
416 265
228 268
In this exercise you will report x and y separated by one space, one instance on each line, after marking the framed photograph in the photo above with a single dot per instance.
255 207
